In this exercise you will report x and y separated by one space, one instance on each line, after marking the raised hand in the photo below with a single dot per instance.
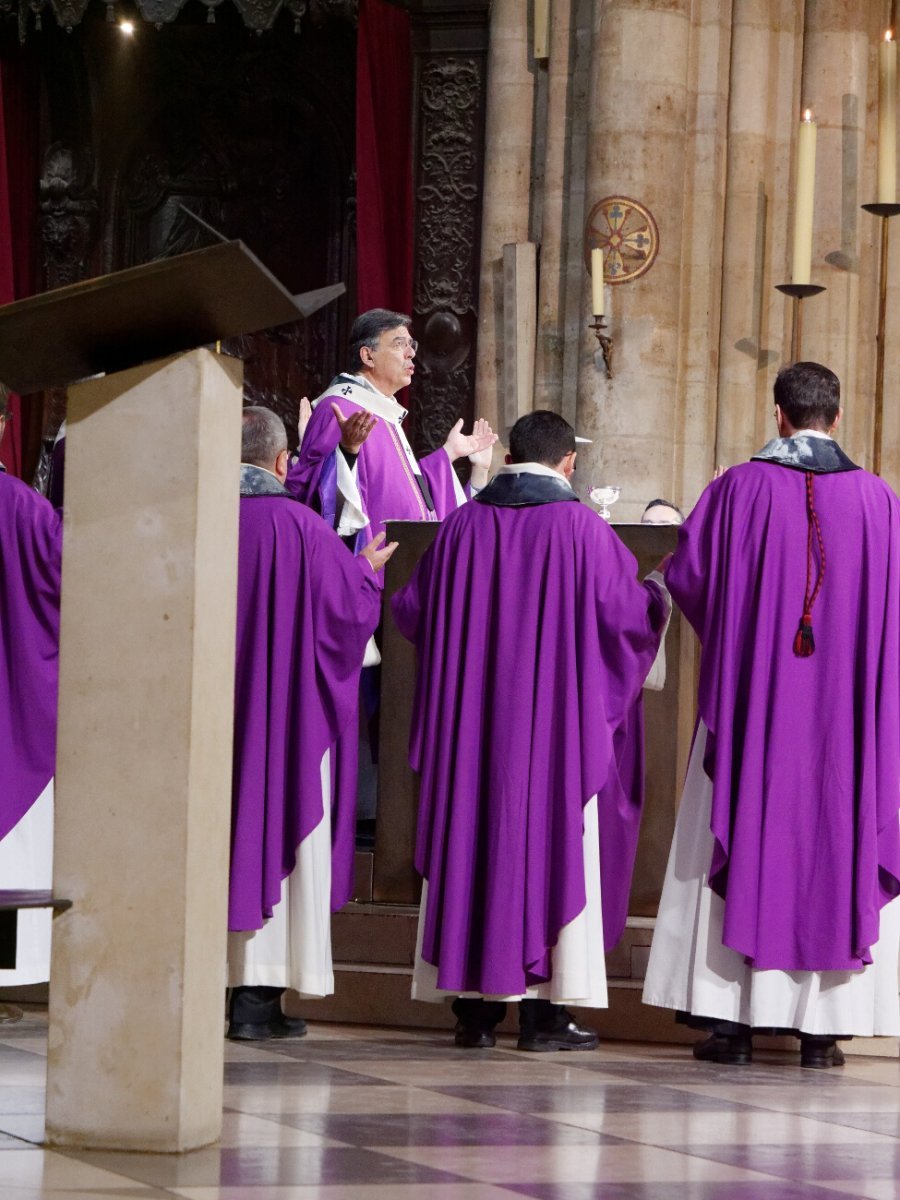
354 429
473 446
303 419
378 556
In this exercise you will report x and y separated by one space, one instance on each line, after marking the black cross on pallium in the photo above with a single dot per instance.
346 391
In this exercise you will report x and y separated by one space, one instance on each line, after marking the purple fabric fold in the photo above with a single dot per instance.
306 608
30 569
534 638
803 753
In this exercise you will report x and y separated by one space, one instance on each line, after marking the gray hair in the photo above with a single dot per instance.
263 436
366 331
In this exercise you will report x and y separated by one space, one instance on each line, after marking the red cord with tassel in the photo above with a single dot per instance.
804 642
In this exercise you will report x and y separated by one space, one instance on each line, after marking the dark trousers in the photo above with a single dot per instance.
255 1005
486 1014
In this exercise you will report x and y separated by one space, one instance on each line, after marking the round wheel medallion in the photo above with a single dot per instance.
626 233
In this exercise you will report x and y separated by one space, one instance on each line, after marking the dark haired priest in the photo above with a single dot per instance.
534 637
306 608
357 486
778 911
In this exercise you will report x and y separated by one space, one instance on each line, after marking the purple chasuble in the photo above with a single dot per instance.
803 753
385 479
30 566
534 638
306 608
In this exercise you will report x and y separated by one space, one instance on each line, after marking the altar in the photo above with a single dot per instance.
374 936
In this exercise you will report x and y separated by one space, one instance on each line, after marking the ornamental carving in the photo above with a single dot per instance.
68 214
257 15
448 206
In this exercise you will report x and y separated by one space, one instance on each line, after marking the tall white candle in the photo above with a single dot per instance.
803 199
887 120
597 281
541 28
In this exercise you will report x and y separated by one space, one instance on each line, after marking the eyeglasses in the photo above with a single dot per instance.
399 343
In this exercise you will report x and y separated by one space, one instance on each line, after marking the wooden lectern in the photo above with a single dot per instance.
143 785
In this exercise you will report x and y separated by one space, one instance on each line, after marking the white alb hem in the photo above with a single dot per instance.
578 964
26 864
293 948
690 970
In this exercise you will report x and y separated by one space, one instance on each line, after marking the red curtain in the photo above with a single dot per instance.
18 221
384 202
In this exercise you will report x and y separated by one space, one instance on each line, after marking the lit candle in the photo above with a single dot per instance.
887 120
597 281
803 199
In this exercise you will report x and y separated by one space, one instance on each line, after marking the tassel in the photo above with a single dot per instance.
804 642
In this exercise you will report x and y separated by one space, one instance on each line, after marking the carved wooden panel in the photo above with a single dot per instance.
450 47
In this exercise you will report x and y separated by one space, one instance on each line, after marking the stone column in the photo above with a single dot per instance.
836 52
507 184
638 109
701 253
763 113
143 791
561 195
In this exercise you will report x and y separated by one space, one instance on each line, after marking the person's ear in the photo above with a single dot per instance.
837 420
281 465
507 458
568 464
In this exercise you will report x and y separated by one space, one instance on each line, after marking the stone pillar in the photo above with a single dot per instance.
636 148
562 195
143 791
507 183
701 253
763 113
837 46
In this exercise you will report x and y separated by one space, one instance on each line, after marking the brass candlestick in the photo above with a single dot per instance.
598 325
798 293
885 212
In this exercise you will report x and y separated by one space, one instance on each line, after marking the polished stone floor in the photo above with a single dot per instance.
352 1113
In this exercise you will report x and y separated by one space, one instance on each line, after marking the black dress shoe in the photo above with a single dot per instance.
262 1031
469 1037
249 1031
560 1036
735 1050
820 1053
287 1027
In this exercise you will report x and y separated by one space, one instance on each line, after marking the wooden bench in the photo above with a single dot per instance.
10 904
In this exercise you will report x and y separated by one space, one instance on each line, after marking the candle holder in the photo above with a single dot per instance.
885 212
798 293
605 341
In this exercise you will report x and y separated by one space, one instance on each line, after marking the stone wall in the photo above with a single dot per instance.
689 109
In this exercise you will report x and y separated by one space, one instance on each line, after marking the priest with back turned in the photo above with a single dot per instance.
778 911
534 638
306 608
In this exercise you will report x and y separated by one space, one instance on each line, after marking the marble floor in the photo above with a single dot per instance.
353 1113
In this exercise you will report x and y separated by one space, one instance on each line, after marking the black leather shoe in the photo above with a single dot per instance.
820 1053
247 1031
469 1037
735 1050
287 1027
568 1036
